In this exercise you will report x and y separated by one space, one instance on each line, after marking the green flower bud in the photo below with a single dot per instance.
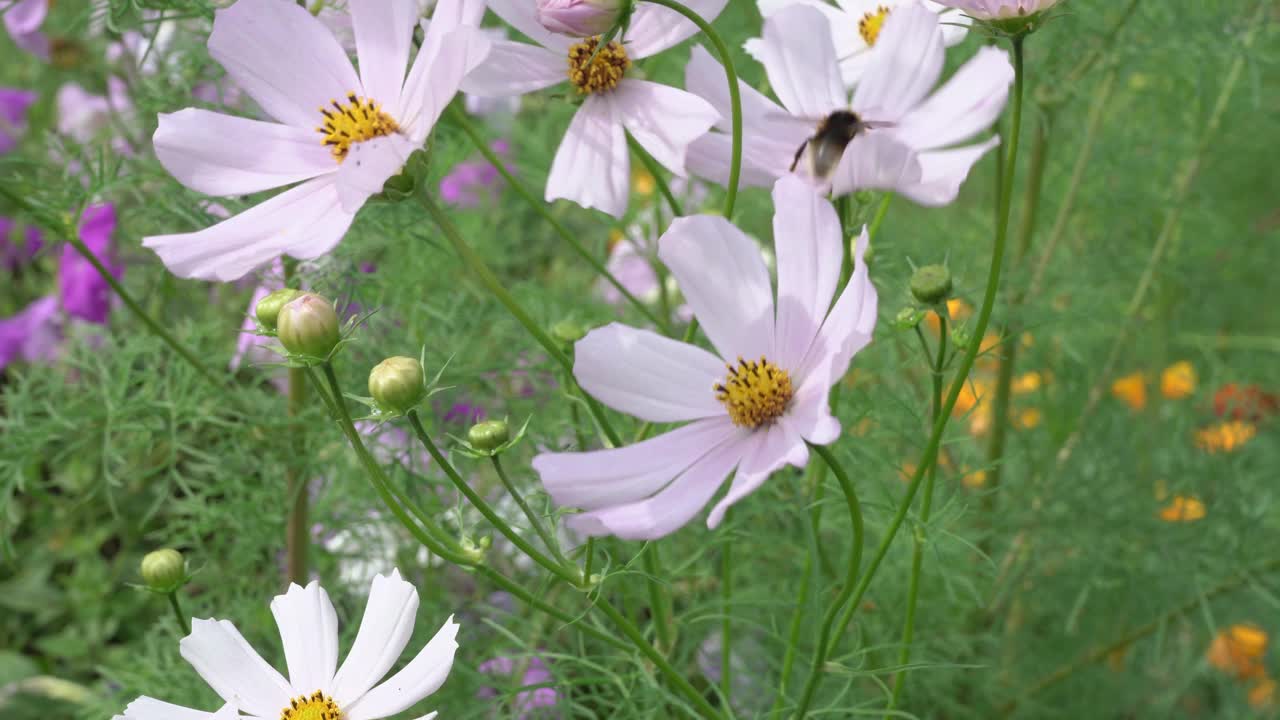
396 384
568 332
164 570
931 284
308 325
489 435
908 317
268 308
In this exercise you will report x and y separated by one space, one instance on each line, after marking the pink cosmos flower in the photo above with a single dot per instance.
469 184
18 248
999 9
579 18
527 704
14 104
341 133
592 167
23 18
904 152
782 359
34 335
85 295
856 26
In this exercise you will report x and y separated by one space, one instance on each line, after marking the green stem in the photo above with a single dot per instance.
658 600
726 620
534 520
926 507
650 165
844 205
459 118
298 535
846 591
479 503
881 211
184 623
735 99
798 615
528 598
481 269
588 552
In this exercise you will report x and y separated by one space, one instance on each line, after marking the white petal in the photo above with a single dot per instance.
807 240
384 33
663 120
944 171
384 631
304 222
605 478
309 632
801 62
704 76
283 57
368 166
655 28
223 155
673 506
772 448
845 37
722 275
515 68
876 161
522 15
809 415
904 67
966 105
222 657
711 155
644 374
847 330
592 167
145 708
436 76
421 677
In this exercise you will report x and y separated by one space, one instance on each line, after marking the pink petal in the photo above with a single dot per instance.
767 123
604 478
522 15
223 155
367 168
807 240
944 171
966 105
305 222
514 68
663 120
801 62
905 65
771 448
284 58
655 28
25 16
644 374
384 32
437 75
593 165
723 277
876 161
710 157
847 329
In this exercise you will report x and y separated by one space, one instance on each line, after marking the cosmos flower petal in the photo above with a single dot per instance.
807 239
809 415
964 106
384 631
644 374
304 222
944 171
145 708
283 57
801 62
711 155
514 68
848 326
663 119
764 119
722 275
309 633
845 37
592 167
616 476
876 161
522 15
25 16
905 65
225 660
420 678
771 448
384 34
436 77
673 506
655 28
368 166
223 155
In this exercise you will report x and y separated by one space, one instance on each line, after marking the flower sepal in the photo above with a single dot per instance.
908 318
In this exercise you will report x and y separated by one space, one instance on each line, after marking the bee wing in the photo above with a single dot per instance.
785 116
878 125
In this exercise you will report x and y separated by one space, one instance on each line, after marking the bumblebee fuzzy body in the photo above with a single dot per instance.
827 144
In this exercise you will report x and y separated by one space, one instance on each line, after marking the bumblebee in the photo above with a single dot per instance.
827 144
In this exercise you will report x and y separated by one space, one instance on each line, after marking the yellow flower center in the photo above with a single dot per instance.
871 23
755 393
356 120
591 71
316 707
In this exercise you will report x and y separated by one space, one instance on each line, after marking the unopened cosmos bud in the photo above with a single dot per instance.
931 284
396 384
580 18
489 435
164 570
308 325
268 308
568 332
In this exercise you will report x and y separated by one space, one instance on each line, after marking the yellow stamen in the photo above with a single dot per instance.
755 393
356 120
871 23
317 706
604 72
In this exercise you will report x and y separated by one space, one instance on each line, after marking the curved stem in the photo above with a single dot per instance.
855 564
651 166
184 623
534 520
528 598
459 118
735 98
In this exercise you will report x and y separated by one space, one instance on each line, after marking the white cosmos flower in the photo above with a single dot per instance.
309 631
343 134
911 156
856 26
593 165
750 406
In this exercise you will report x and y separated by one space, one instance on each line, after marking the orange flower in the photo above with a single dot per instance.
1263 694
958 309
1238 650
1029 418
1132 389
1178 381
642 182
1225 437
1182 509
1027 383
1247 402
975 480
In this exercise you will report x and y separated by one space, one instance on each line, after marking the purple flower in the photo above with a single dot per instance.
534 703
14 104
17 249
472 182
23 18
84 293
32 335
84 116
464 413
